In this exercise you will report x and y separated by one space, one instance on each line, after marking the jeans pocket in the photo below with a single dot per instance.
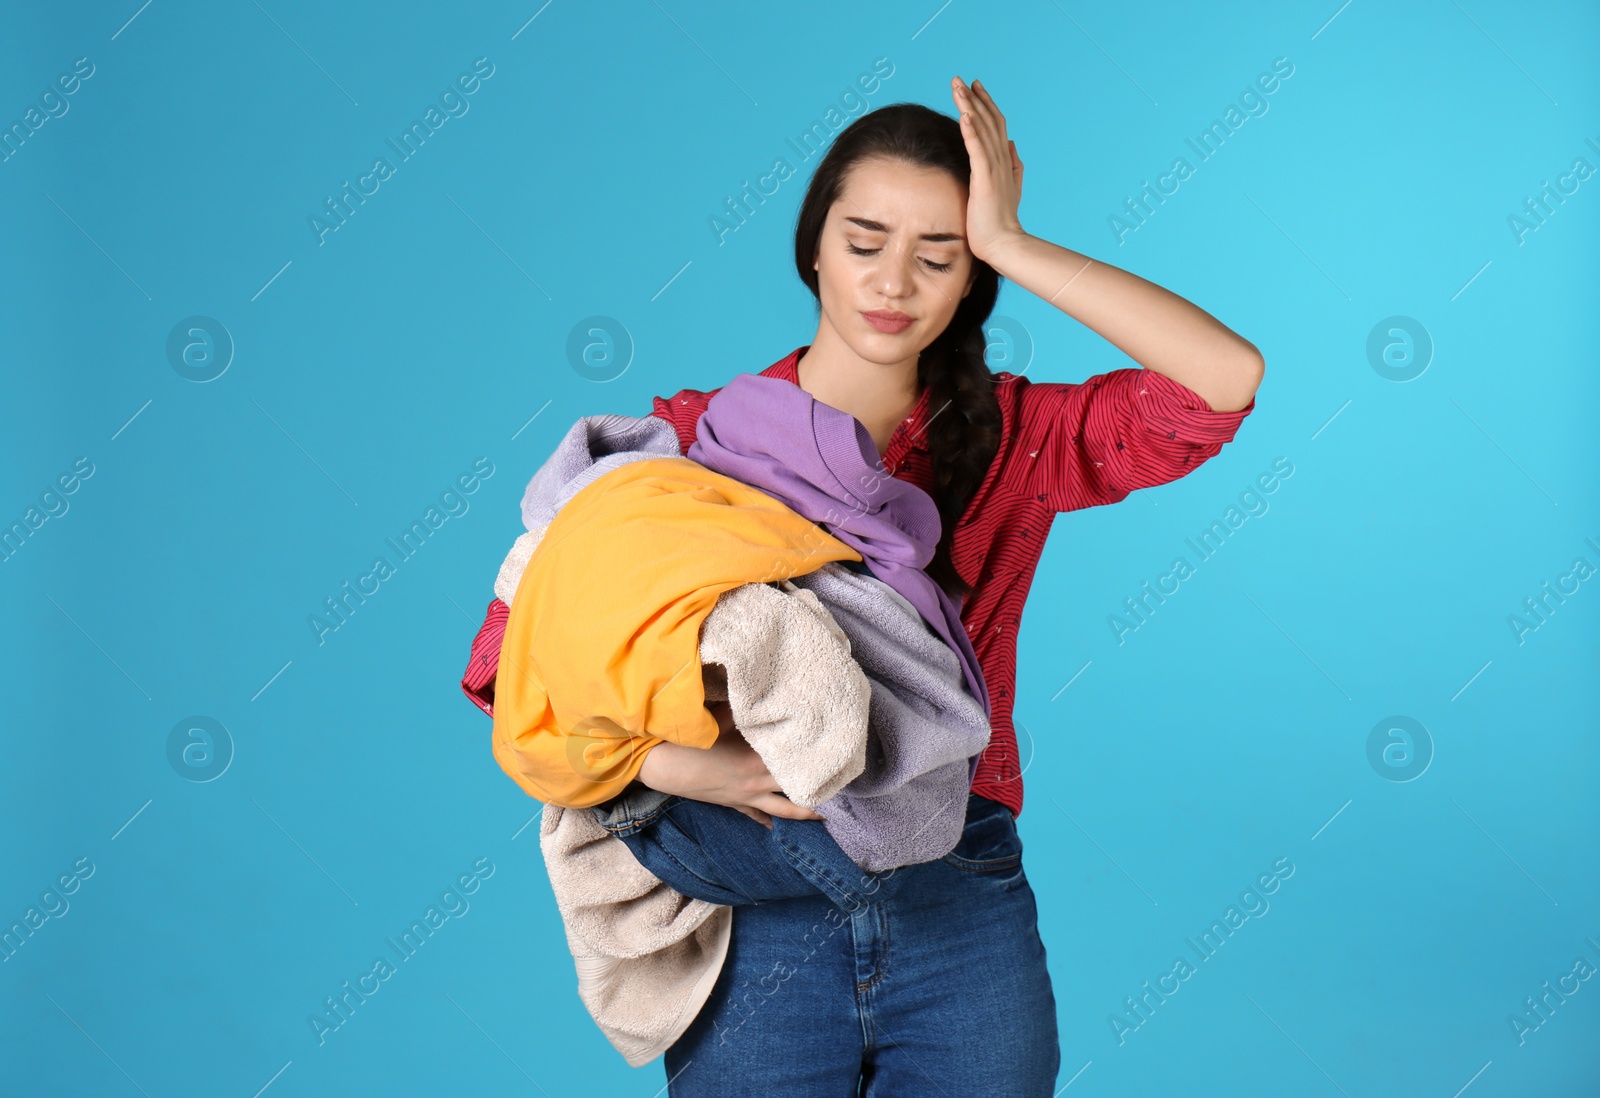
990 842
633 810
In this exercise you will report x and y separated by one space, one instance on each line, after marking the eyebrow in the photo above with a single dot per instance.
879 227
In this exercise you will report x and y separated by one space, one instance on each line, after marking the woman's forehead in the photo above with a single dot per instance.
902 197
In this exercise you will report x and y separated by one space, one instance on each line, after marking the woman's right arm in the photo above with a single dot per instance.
729 772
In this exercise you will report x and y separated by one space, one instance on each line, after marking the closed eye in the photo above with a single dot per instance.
853 250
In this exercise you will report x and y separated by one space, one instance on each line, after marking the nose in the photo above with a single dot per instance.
895 271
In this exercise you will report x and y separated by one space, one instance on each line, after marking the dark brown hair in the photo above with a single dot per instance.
964 416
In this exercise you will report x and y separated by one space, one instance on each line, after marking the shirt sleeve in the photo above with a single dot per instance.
682 410
483 664
1095 441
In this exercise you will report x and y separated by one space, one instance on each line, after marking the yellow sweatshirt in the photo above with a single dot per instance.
601 657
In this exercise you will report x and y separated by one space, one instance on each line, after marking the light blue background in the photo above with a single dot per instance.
426 332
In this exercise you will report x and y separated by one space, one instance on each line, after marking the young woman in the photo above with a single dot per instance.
937 982
939 986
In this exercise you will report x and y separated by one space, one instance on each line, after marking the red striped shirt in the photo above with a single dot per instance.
1063 445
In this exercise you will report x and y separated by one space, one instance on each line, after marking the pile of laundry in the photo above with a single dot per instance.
776 566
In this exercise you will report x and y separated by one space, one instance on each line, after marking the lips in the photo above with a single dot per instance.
887 320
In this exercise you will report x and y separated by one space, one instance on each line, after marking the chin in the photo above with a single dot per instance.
880 347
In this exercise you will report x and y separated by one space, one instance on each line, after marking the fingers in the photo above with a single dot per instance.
997 121
990 109
779 805
981 105
983 121
977 142
757 815
967 104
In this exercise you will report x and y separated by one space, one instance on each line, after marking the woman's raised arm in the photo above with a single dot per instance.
1151 325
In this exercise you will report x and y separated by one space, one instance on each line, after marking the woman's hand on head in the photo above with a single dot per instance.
729 772
996 188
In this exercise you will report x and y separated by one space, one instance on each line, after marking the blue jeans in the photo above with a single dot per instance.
715 853
925 980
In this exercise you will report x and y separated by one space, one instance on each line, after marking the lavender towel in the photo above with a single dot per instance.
925 730
591 448
773 435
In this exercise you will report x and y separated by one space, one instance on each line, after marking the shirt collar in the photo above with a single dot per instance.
913 428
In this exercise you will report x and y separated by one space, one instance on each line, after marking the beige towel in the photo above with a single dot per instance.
796 694
516 563
646 955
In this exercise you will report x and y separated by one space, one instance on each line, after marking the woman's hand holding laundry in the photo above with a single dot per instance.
728 773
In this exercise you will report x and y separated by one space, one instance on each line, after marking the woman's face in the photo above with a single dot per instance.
894 242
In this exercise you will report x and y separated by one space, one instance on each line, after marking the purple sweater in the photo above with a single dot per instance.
773 435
